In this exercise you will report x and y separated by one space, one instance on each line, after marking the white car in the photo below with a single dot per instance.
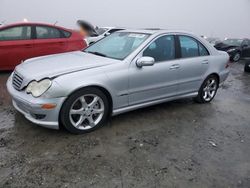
101 33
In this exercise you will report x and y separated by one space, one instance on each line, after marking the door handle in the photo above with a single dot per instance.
175 66
61 43
28 45
204 62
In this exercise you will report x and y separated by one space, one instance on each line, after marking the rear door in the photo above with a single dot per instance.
194 63
246 49
16 45
49 40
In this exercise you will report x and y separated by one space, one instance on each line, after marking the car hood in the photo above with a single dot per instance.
59 64
224 47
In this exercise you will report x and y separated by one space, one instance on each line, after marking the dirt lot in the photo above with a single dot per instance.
176 144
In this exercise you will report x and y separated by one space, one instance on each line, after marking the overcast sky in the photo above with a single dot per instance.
223 18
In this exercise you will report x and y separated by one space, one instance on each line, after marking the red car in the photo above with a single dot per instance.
22 41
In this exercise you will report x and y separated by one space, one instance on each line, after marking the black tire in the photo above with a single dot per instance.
236 57
247 66
200 97
65 110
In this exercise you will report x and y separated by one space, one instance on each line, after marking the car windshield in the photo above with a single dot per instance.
117 45
233 42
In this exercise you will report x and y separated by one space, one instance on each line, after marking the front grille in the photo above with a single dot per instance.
17 81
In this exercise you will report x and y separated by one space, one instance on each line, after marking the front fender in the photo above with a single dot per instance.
65 85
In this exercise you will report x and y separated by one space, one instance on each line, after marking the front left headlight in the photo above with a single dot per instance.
38 88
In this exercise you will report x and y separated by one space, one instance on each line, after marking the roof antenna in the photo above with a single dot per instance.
55 22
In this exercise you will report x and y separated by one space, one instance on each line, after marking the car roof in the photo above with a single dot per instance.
156 31
109 28
33 23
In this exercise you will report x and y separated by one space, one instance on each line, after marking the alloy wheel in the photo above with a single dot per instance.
86 112
209 89
236 57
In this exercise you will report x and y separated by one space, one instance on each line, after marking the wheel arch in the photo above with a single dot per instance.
211 74
214 74
103 89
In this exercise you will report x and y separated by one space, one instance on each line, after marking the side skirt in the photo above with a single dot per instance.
150 103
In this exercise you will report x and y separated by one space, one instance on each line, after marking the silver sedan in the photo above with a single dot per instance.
125 71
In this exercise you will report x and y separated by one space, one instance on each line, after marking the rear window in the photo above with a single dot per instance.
66 34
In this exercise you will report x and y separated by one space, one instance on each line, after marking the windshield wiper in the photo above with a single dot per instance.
96 53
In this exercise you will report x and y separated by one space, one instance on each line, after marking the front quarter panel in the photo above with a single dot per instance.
111 78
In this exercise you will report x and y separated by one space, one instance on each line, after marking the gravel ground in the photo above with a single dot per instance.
175 144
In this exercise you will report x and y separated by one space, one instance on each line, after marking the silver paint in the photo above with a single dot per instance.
129 86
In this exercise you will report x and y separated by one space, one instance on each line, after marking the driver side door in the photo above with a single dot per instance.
158 81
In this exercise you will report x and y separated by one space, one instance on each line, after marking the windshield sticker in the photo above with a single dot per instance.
137 35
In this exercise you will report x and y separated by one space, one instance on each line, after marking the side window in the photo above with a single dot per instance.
43 32
202 50
66 34
16 33
189 47
245 43
162 49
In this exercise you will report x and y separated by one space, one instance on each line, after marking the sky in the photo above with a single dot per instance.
216 18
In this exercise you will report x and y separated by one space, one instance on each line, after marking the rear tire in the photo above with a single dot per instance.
247 66
208 90
84 111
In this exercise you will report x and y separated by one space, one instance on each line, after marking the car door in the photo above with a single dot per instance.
16 45
246 49
48 41
159 81
193 64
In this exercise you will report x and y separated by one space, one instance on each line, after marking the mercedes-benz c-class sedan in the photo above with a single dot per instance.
124 71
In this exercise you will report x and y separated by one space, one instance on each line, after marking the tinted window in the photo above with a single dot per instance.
202 50
189 47
43 32
233 42
244 43
162 49
16 33
66 34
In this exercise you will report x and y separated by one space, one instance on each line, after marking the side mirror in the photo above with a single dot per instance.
145 61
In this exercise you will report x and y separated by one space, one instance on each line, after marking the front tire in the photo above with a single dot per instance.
208 90
84 111
236 57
